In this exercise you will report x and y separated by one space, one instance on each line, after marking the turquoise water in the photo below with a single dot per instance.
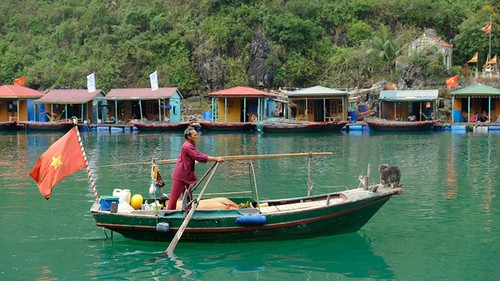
445 226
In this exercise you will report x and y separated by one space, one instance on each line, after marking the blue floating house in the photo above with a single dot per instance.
63 104
163 104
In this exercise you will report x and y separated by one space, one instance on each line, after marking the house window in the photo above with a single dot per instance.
335 107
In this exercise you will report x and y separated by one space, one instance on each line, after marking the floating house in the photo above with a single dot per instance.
16 103
68 103
319 103
475 98
401 104
238 104
163 105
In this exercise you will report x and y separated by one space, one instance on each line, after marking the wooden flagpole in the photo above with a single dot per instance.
91 178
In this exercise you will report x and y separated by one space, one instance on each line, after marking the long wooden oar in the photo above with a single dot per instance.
254 157
184 224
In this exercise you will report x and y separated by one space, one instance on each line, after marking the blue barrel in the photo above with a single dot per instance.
207 115
352 114
457 116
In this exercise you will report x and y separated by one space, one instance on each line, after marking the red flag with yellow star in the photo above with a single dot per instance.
63 158
20 81
452 81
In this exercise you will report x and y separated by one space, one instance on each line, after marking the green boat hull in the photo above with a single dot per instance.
330 218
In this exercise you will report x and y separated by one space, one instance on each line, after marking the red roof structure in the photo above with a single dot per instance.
242 92
141 94
18 92
69 96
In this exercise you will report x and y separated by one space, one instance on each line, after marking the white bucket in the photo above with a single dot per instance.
122 194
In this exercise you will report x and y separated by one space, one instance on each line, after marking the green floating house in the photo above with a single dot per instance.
400 104
475 98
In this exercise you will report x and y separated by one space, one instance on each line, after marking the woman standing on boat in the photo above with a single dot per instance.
184 174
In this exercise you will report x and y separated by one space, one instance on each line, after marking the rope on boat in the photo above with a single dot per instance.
330 186
91 178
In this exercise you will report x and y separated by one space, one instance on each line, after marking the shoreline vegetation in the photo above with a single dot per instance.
204 46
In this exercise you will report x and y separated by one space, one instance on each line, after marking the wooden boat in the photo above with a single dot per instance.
327 214
227 126
360 116
46 126
392 125
300 127
287 218
8 125
160 126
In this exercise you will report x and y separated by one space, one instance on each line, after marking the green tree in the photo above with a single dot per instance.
384 48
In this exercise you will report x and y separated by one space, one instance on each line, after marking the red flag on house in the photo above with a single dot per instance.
487 28
62 158
20 81
452 81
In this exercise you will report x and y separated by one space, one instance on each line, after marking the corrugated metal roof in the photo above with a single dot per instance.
18 92
242 92
68 96
316 91
408 95
477 89
141 94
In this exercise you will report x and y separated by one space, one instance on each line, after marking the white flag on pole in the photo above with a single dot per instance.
91 83
154 80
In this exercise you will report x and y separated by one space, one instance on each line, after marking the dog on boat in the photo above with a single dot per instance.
389 176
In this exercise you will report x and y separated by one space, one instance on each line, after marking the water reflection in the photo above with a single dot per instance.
449 209
348 256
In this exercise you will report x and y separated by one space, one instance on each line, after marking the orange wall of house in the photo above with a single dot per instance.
23 110
233 111
4 112
458 104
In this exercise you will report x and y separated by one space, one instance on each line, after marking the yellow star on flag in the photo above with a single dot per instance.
56 162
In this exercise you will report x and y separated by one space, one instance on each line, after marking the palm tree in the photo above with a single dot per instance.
385 47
